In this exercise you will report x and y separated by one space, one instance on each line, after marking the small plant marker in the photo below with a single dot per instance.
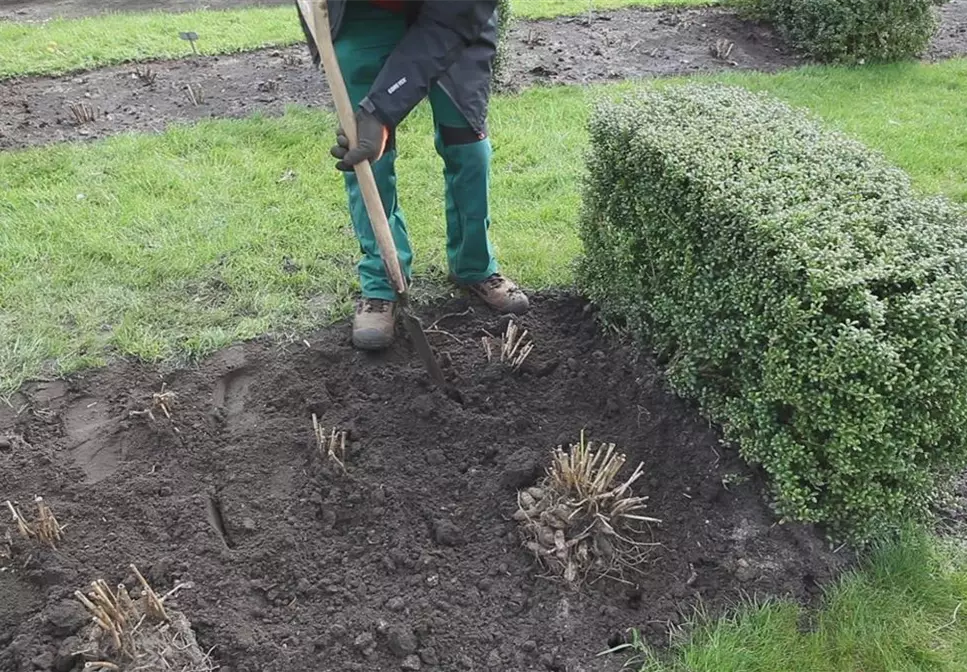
190 36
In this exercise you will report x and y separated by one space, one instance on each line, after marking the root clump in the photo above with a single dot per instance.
138 634
579 523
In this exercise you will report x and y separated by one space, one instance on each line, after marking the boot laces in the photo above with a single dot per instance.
375 305
497 281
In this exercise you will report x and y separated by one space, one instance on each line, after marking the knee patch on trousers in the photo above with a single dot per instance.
454 135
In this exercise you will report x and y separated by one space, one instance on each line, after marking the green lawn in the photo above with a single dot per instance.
902 612
60 46
170 246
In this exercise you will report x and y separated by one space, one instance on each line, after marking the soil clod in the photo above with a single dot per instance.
365 643
401 640
429 656
216 519
521 469
446 533
66 618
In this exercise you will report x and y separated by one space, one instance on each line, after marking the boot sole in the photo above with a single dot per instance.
372 341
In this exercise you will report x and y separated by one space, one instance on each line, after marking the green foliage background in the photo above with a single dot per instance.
853 31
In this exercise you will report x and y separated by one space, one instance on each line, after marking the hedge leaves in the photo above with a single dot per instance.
853 31
796 286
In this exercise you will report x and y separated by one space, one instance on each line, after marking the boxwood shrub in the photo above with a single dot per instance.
505 21
794 284
850 31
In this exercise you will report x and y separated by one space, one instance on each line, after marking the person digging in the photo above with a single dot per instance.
394 54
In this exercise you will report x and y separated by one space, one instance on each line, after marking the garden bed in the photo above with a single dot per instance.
289 564
615 46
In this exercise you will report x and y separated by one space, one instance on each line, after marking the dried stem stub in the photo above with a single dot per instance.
195 94
722 49
138 634
83 113
331 445
581 522
48 529
163 400
160 401
6 546
45 527
145 74
23 527
515 346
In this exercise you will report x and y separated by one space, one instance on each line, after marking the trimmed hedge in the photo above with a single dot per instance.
796 286
853 31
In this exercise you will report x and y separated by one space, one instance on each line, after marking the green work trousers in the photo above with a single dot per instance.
367 37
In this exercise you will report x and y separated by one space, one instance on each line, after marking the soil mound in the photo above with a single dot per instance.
410 559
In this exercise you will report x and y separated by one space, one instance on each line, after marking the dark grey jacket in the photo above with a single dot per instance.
450 42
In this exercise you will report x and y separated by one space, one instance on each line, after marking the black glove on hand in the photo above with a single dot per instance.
372 135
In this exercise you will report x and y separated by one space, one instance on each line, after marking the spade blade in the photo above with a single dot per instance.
415 329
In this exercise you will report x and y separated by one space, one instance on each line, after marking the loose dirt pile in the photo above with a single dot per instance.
411 559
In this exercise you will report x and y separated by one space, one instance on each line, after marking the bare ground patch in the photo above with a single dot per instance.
147 97
410 556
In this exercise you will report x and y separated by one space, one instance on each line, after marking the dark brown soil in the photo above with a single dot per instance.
41 10
619 45
951 39
290 566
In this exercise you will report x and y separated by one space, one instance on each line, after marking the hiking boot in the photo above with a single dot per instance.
501 294
374 325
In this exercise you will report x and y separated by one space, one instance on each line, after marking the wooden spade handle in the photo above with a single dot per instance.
317 17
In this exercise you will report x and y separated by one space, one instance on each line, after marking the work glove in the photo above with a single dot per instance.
372 136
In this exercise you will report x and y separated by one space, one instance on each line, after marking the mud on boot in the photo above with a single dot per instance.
374 325
501 294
